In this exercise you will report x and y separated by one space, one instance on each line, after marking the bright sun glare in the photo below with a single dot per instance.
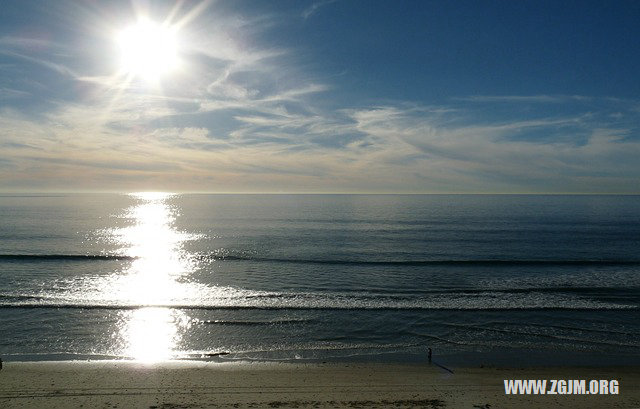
148 50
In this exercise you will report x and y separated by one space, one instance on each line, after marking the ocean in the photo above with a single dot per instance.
480 279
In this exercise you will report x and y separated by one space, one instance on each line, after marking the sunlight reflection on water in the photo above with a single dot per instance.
153 333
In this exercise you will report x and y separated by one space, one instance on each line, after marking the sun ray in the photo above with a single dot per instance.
193 13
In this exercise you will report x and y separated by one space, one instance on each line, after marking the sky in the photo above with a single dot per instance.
325 96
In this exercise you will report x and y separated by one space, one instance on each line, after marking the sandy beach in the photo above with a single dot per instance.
121 384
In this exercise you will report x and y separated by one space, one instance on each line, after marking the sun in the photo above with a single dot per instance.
148 50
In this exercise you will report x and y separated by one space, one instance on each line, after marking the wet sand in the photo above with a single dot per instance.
122 384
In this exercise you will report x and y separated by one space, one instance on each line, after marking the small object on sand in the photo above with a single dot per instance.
0 363
212 354
429 355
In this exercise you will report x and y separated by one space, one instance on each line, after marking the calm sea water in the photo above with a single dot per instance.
480 279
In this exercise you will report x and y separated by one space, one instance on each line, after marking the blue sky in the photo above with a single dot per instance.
325 96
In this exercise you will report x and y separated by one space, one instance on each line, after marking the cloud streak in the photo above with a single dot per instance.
311 10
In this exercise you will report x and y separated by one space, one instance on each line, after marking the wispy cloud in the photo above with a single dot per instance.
492 159
244 117
59 68
382 148
30 43
524 98
13 93
311 10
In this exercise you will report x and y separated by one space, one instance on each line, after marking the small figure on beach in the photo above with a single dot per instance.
429 355
0 363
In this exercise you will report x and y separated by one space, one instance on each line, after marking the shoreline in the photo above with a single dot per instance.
196 384
504 358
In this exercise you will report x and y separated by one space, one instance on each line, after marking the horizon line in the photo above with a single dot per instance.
126 192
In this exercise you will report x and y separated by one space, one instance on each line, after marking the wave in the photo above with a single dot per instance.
381 307
448 262
63 257
566 328
565 289
436 262
252 323
332 347
226 298
561 337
